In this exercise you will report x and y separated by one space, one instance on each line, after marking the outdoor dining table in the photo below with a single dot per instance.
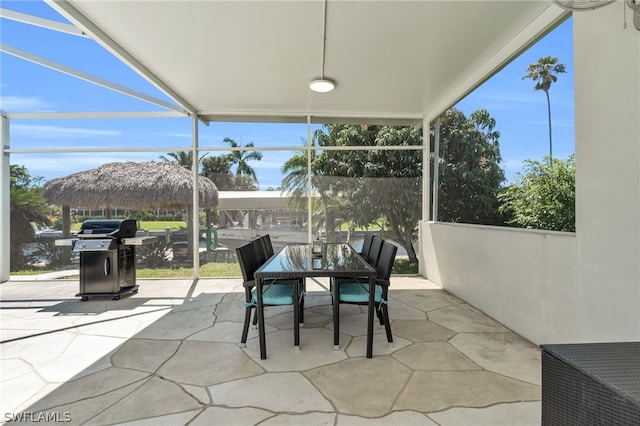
331 260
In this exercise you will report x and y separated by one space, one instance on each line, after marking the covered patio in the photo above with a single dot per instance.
170 355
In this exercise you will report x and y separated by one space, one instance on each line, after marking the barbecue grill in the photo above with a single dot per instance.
107 258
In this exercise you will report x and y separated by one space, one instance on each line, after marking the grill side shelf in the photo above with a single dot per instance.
65 242
137 241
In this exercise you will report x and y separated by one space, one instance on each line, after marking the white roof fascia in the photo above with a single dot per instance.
94 115
42 22
314 117
87 77
75 16
548 19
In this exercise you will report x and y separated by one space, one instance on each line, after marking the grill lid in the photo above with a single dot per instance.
108 228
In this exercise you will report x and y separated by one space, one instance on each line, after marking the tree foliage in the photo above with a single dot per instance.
543 196
470 176
376 183
27 207
183 158
218 170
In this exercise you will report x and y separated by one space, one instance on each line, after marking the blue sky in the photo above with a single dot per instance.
520 112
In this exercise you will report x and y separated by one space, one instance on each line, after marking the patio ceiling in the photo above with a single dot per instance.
252 60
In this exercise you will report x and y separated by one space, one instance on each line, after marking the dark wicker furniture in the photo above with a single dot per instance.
591 384
356 291
252 256
298 261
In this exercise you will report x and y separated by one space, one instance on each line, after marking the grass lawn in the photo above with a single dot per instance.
207 270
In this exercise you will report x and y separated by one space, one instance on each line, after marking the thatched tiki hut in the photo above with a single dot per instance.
142 186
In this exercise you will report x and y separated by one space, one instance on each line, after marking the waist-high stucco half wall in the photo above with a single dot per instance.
524 279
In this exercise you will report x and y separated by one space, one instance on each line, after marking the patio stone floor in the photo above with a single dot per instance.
169 355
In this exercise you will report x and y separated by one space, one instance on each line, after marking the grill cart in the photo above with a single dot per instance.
107 257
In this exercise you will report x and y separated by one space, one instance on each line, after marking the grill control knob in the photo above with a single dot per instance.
81 245
101 245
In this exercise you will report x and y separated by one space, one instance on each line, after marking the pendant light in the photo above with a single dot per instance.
322 84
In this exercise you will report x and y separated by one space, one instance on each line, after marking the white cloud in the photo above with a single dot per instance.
51 166
54 132
176 135
23 104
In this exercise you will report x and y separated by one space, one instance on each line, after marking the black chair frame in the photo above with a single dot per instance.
384 265
251 257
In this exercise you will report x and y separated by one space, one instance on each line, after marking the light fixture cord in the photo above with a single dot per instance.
324 35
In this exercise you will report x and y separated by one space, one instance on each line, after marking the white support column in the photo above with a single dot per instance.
309 188
426 192
436 161
195 218
5 201
426 168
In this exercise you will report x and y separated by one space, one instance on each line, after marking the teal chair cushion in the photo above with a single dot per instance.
276 294
358 293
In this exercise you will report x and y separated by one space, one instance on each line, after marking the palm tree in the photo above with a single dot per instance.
241 158
296 182
296 179
184 158
543 73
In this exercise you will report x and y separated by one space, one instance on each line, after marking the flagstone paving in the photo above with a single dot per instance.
169 355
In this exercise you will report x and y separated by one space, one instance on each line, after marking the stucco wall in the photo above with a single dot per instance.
524 279
607 116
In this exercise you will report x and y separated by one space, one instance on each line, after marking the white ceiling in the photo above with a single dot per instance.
252 60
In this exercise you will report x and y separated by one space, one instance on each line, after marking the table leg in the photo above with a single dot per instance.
336 315
372 300
296 316
260 313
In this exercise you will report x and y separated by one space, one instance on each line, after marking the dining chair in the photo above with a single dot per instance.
374 251
266 243
366 245
357 292
262 251
274 292
370 252
265 251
